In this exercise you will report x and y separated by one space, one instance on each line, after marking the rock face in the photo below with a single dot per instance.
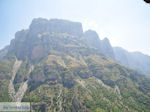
25 45
92 39
56 25
29 44
107 48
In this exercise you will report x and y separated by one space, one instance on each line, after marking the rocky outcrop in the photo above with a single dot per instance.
92 39
35 42
40 25
107 49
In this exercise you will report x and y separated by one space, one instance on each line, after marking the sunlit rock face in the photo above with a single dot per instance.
35 42
40 25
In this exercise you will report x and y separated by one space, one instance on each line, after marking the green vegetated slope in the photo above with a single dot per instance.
70 76
5 76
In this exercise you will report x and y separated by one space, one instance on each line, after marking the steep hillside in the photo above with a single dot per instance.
134 60
54 66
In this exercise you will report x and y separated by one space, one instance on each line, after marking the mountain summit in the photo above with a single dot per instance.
40 25
59 68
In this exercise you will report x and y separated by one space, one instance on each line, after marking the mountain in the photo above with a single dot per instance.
134 60
58 68
107 49
92 39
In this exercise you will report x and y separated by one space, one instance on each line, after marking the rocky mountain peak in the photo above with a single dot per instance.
107 48
91 34
40 25
29 43
92 39
106 41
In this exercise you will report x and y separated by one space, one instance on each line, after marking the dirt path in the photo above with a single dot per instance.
59 100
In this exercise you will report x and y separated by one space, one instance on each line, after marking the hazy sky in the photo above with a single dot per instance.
125 22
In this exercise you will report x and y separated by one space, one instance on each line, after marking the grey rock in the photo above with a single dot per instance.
40 25
107 49
92 39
